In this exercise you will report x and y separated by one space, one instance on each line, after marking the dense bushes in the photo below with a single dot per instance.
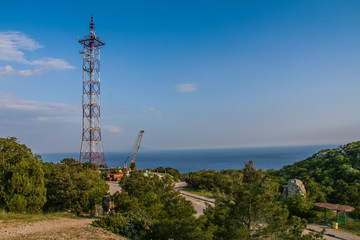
301 206
252 211
212 180
171 171
72 186
28 185
21 178
131 224
150 208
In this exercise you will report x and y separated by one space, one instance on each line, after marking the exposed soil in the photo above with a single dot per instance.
62 228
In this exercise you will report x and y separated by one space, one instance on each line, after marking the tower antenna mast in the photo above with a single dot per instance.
91 145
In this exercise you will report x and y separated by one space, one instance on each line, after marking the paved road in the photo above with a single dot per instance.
332 234
199 202
114 187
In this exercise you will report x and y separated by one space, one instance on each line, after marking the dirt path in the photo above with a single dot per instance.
62 228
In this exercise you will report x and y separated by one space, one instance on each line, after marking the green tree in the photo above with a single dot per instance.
173 172
251 205
154 209
212 180
132 165
292 229
21 178
301 206
73 186
346 193
252 210
255 197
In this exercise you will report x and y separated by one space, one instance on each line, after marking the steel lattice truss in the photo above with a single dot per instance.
91 145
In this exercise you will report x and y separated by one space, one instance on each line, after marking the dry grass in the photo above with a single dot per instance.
50 226
6 217
352 226
83 233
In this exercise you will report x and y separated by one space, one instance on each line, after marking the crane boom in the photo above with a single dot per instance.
137 145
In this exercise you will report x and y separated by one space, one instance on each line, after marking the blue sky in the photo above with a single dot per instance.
192 74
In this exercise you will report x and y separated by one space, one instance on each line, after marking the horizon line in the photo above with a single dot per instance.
210 148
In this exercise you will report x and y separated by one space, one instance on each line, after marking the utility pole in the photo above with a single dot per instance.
91 145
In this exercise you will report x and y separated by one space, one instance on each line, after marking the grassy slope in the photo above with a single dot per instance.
326 167
352 226
203 193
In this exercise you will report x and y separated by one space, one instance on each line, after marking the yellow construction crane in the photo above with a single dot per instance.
137 146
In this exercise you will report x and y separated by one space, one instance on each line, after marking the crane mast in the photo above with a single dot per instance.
137 146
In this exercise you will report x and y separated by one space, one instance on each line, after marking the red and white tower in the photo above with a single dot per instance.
91 145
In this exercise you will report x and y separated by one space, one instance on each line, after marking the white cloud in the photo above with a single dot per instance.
6 70
11 46
22 109
43 126
12 42
152 110
112 129
52 63
28 73
187 87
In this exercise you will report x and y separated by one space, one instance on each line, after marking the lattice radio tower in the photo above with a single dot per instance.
91 145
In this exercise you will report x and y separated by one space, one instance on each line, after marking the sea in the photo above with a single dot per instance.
195 160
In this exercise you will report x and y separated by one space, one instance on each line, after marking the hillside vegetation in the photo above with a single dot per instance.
334 173
149 208
331 175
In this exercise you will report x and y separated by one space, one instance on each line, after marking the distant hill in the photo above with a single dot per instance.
336 172
328 165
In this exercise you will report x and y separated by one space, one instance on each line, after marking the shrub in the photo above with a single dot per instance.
132 224
301 206
17 203
73 186
150 208
21 178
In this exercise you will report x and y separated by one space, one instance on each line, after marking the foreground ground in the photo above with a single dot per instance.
80 228
59 228
53 226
